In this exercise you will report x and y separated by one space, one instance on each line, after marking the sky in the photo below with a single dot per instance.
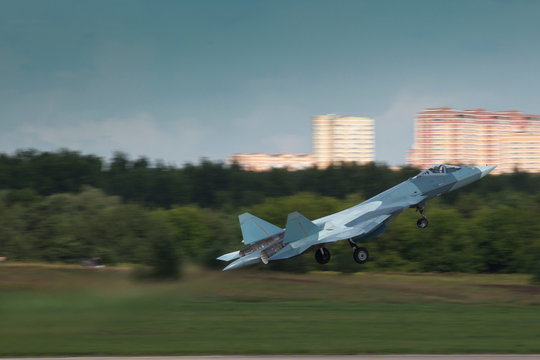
183 80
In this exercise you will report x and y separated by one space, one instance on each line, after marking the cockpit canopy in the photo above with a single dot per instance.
440 169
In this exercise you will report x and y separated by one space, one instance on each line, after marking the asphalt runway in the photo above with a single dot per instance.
300 357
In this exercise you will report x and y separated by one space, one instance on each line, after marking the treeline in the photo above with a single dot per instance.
211 184
66 207
207 184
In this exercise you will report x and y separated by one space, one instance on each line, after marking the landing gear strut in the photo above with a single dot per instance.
422 222
322 255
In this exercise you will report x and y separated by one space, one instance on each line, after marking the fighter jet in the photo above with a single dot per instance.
266 242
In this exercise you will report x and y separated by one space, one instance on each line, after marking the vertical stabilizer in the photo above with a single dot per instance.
299 227
254 229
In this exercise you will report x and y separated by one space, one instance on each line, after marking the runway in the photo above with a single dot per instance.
300 357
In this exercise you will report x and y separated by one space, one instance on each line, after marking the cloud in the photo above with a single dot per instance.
136 135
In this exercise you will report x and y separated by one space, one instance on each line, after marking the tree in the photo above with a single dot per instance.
164 258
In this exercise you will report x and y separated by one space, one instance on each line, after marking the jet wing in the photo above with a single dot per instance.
361 229
367 223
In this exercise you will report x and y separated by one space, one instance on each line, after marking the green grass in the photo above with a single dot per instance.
47 310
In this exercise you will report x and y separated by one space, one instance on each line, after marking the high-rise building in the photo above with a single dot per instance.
342 139
509 139
335 139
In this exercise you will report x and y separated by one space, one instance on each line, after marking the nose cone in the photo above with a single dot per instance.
485 169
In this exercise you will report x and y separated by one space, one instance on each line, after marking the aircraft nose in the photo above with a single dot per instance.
486 169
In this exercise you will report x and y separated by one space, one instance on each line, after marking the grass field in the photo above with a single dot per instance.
66 310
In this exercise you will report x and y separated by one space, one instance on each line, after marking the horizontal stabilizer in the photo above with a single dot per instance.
230 256
253 258
298 227
255 229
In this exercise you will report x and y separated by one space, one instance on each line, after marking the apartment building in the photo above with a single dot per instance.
509 139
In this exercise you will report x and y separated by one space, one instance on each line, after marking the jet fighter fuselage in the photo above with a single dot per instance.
266 242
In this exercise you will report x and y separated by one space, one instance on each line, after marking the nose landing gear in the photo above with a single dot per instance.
422 222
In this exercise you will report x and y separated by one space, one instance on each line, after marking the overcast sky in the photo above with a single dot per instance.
182 80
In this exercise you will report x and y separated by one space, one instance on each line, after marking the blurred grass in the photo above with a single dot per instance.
68 310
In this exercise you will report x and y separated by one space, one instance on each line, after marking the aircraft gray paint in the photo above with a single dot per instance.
266 242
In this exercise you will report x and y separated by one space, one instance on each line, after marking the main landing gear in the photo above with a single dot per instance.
322 255
360 254
422 222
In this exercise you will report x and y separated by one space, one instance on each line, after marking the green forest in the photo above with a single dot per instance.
66 206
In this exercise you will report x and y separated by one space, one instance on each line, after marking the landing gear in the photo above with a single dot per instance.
322 255
360 255
422 222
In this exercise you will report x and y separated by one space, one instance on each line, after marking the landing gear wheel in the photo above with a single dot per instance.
322 255
360 255
422 223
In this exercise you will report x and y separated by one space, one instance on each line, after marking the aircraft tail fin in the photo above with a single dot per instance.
299 227
254 229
